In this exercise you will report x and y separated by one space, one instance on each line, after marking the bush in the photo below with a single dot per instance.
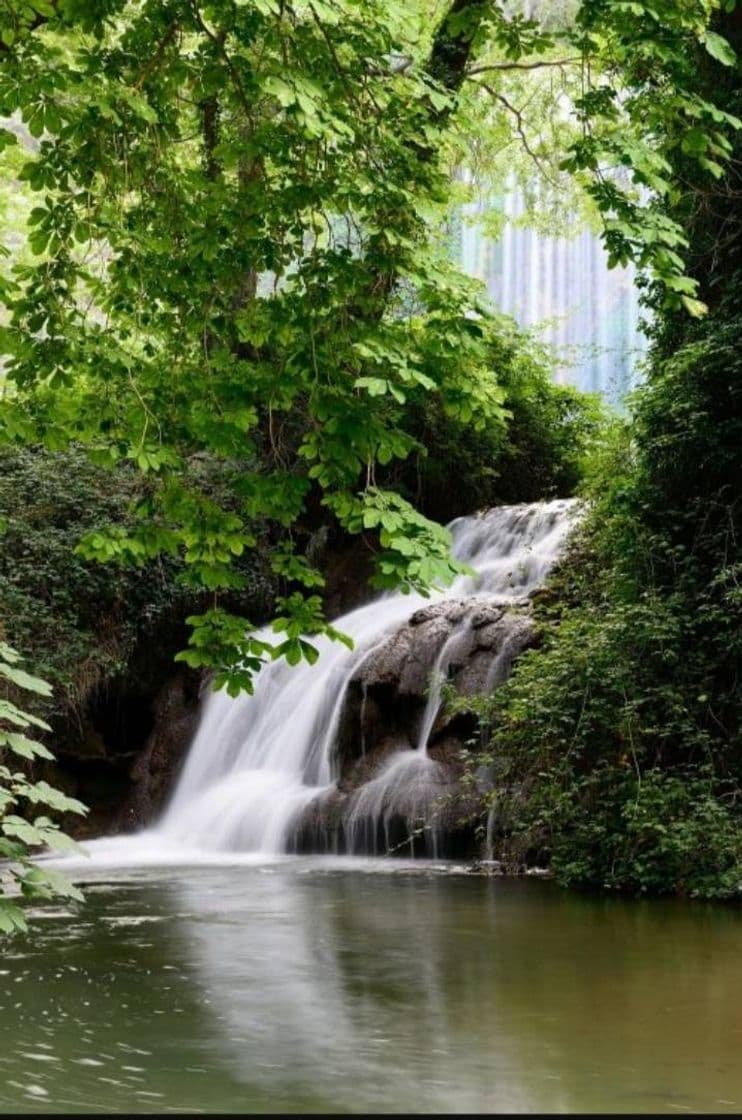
650 832
617 746
540 452
79 621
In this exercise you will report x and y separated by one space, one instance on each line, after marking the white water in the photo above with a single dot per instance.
562 286
257 761
438 677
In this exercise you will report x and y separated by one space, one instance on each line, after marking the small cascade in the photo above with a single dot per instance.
260 765
389 812
437 679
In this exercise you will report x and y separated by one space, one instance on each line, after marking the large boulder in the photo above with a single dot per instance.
469 644
394 789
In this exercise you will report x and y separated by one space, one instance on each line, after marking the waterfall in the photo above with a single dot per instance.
258 762
562 287
437 680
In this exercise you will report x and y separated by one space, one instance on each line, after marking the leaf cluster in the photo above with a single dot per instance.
22 834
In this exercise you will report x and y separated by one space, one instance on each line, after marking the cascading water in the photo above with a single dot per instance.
257 763
437 679
561 286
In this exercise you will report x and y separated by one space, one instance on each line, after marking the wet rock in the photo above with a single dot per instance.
450 612
388 693
385 787
491 659
393 800
154 771
492 867
407 658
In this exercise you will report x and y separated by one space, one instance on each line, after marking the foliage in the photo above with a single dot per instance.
601 97
643 110
236 252
20 837
81 621
258 171
238 244
539 450
616 747
655 833
551 430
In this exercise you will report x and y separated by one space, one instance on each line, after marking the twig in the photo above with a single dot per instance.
520 130
523 65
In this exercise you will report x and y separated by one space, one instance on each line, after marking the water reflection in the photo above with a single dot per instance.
360 991
299 987
433 993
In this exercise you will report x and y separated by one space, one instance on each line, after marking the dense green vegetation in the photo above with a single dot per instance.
540 449
237 248
230 320
79 621
617 747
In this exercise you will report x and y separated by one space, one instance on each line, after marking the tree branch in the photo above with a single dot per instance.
523 65
453 43
450 54
515 112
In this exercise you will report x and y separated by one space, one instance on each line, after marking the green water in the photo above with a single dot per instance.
304 986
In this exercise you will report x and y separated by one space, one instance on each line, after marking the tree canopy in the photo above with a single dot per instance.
237 248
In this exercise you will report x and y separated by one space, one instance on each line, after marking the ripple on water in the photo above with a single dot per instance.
319 989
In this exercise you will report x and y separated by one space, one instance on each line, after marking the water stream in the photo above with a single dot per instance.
257 762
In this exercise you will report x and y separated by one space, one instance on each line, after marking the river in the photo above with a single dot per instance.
349 985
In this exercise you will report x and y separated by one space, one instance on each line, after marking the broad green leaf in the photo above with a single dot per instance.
12 919
719 48
25 680
13 714
23 746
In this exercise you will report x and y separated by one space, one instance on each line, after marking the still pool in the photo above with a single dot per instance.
307 985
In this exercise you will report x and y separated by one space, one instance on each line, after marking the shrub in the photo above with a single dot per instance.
616 747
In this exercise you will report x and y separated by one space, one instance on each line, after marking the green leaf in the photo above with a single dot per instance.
309 652
719 48
11 917
59 841
694 307
19 829
45 882
43 793
9 712
25 680
7 653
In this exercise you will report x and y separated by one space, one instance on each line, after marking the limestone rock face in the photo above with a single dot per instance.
470 644
386 779
407 658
